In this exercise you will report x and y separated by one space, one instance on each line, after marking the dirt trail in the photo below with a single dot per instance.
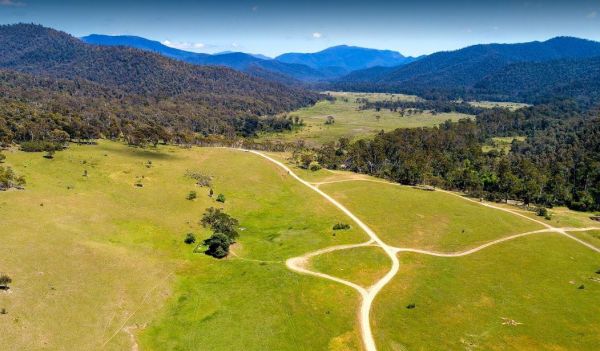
368 295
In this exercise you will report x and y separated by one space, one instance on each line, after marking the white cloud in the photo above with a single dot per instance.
317 35
11 3
184 45
592 14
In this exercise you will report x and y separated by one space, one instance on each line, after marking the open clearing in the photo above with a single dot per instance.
354 123
107 260
92 255
430 220
518 295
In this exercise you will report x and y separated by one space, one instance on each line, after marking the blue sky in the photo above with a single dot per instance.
274 27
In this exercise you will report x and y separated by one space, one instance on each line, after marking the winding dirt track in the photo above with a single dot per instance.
299 264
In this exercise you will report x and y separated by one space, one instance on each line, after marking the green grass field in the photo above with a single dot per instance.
353 123
361 265
491 104
100 263
408 217
469 303
91 255
591 236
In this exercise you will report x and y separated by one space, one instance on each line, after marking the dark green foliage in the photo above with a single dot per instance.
221 198
8 179
341 226
39 146
218 245
581 287
190 238
558 163
410 306
5 280
191 195
541 211
57 88
220 222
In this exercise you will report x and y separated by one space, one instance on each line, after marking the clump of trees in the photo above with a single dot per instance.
224 228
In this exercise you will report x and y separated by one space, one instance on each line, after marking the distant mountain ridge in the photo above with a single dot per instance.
453 73
349 58
325 65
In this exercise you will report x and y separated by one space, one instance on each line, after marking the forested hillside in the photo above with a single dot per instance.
52 80
557 164
484 71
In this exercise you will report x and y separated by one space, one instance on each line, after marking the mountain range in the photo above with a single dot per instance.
479 68
290 68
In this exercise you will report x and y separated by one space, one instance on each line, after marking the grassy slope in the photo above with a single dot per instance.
92 255
362 265
592 237
353 123
460 302
403 216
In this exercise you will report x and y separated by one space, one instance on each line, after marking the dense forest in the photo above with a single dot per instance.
534 72
557 164
51 82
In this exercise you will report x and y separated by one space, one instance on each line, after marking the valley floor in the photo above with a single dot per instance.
98 261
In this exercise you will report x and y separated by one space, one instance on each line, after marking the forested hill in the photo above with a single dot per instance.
461 72
62 78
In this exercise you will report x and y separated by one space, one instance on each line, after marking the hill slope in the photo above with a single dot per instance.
59 73
456 71
255 65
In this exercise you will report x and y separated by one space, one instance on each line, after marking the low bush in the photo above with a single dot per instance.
221 198
341 226
190 238
191 195
40 145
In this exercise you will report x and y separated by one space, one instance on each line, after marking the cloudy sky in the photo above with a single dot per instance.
274 27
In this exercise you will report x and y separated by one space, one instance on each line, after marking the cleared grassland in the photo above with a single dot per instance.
432 220
472 302
361 265
493 104
591 236
354 123
94 255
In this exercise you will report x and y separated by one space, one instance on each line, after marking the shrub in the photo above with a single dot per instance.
2 158
341 226
541 211
581 287
221 198
190 238
314 166
192 195
201 179
40 145
3 311
8 179
410 306
4 281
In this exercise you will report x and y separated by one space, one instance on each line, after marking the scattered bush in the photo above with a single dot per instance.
191 195
541 211
8 179
201 179
410 306
190 238
3 311
4 281
210 192
49 154
221 198
330 120
341 226
581 287
314 166
2 158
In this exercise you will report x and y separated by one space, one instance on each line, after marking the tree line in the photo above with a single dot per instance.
557 164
